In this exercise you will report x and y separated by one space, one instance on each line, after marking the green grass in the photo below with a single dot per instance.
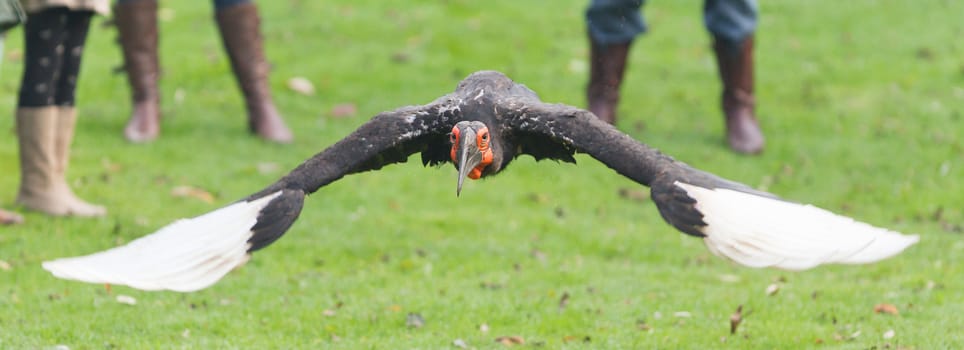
862 103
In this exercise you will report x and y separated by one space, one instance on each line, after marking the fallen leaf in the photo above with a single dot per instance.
459 343
301 85
192 192
889 334
400 57
126 299
4 265
179 96
735 319
772 289
538 255
728 278
563 301
268 168
328 312
511 340
634 194
641 325
884 308
186 333
395 308
682 314
484 328
414 320
343 110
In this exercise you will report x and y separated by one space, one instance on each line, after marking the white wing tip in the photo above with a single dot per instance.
184 256
758 231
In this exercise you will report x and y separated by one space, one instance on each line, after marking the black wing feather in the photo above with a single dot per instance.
573 128
390 137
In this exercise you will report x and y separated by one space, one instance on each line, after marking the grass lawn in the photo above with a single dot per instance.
862 103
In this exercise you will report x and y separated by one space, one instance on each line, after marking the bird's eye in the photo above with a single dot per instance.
485 137
452 137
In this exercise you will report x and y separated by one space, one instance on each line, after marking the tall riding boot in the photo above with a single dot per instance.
64 136
606 67
736 71
42 133
137 28
240 31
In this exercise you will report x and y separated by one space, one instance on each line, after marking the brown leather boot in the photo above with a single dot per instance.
736 71
42 135
606 66
63 138
240 31
137 28
10 218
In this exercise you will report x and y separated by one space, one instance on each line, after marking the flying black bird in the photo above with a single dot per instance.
486 123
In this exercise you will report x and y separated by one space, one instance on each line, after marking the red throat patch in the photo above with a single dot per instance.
482 142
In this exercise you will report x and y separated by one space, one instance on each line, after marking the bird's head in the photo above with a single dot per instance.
471 149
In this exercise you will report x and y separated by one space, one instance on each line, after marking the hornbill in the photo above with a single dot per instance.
481 127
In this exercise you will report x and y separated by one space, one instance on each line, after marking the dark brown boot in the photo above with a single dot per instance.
241 34
137 28
606 66
736 71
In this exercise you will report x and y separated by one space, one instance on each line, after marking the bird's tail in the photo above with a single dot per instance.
189 254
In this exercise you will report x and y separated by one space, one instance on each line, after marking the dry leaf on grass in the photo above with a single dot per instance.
484 328
301 85
885 308
268 168
459 343
192 192
126 299
5 265
772 289
634 194
414 320
511 340
343 110
563 301
735 319
889 334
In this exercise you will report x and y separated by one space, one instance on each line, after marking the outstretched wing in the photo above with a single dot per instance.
193 254
750 227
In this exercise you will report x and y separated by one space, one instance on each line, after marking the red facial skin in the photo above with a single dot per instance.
482 142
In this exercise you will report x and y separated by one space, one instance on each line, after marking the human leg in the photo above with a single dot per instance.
239 25
43 135
137 28
7 217
611 25
732 24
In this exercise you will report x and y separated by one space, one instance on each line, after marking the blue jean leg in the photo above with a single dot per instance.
731 21
620 21
614 21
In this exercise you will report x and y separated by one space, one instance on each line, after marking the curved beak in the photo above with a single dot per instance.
468 154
